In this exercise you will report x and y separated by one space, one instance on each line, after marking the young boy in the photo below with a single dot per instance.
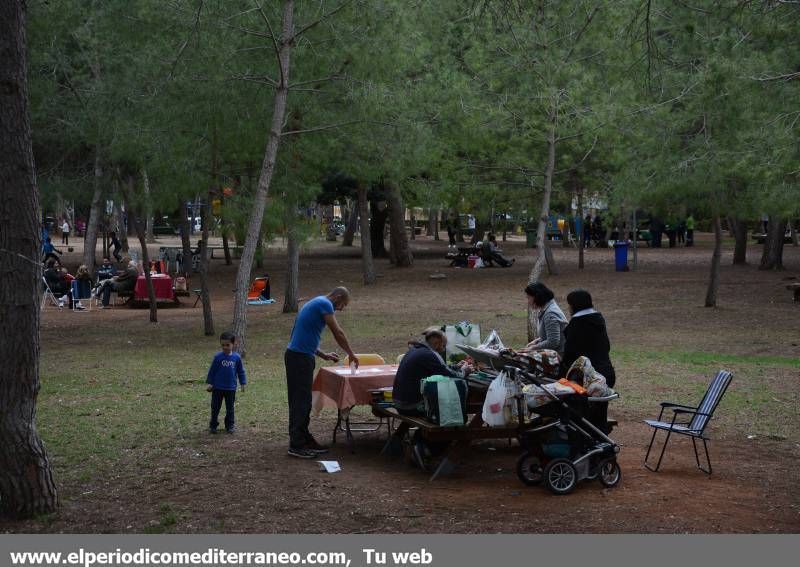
225 369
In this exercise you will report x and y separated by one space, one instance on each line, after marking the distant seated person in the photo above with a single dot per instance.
58 284
423 359
49 251
495 255
196 256
105 271
126 281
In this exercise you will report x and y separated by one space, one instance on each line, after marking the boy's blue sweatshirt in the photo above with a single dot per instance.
224 370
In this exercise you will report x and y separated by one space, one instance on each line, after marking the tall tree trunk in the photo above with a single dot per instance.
413 226
139 228
223 229
544 256
713 282
205 257
27 487
579 215
367 265
795 237
290 294
379 212
148 208
398 239
97 207
433 223
772 255
739 229
352 223
186 243
284 45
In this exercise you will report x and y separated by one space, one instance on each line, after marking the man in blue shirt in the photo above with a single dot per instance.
299 359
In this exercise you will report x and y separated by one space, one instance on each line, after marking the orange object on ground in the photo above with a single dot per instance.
257 288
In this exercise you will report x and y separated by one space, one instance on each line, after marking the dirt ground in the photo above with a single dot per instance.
246 482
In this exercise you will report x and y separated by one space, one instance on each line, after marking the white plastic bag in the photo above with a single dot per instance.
499 405
479 263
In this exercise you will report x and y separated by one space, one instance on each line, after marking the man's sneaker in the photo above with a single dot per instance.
212 430
315 447
231 430
301 453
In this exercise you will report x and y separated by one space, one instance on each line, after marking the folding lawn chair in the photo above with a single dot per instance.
48 294
700 416
81 290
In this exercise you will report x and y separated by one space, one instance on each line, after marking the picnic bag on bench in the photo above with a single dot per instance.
445 400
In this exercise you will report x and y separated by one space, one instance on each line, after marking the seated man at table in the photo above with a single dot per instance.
423 359
126 281
105 271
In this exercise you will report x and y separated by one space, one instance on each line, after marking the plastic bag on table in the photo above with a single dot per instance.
499 407
463 333
493 342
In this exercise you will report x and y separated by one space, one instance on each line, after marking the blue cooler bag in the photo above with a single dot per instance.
445 400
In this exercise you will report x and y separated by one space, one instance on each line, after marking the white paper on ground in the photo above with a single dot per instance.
329 466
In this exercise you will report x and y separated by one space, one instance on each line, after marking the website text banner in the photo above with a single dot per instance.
395 550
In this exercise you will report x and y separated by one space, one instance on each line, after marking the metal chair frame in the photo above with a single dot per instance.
694 427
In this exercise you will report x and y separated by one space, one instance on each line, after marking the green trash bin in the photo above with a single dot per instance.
530 238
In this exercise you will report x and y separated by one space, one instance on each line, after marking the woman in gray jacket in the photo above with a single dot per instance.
552 320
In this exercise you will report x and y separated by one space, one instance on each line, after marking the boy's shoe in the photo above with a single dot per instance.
212 430
301 453
315 447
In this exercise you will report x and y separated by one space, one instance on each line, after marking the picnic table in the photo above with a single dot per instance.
337 387
162 285
460 256
458 438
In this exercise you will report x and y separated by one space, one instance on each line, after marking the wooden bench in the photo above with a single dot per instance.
795 288
457 437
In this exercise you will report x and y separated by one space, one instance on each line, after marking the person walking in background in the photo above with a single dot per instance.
299 360
682 231
225 369
65 233
689 230
116 244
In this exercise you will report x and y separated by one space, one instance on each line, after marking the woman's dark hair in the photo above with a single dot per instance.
540 293
579 299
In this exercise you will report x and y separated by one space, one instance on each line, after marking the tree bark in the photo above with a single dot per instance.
186 243
90 240
713 282
284 46
226 247
367 265
139 228
290 294
398 239
379 212
205 257
579 215
772 255
544 256
27 487
352 223
433 223
739 229
148 208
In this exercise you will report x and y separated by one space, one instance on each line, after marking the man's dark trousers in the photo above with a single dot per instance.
299 377
216 403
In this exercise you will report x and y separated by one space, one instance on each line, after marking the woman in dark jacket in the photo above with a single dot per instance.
586 335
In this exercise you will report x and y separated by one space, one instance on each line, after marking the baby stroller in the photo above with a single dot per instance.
561 445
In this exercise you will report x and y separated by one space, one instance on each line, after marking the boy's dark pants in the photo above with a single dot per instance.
216 403
299 376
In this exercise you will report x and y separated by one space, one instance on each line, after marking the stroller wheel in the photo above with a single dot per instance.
529 469
609 473
560 476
